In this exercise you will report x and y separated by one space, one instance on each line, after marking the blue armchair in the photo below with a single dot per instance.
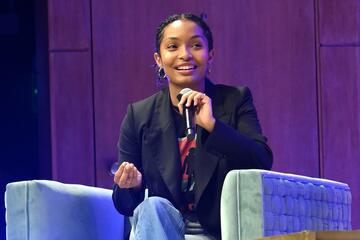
255 203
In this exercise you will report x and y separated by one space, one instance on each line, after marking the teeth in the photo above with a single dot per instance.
186 67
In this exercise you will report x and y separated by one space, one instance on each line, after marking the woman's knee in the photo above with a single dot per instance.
155 206
155 202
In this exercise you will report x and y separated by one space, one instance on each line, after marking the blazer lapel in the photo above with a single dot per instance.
205 163
163 142
208 161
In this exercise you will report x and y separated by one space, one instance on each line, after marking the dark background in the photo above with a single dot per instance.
22 76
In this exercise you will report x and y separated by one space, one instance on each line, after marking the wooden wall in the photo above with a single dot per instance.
339 75
300 58
71 91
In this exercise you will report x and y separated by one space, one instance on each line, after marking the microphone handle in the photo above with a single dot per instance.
189 119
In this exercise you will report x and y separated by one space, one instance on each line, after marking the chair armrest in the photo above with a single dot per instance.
257 203
44 210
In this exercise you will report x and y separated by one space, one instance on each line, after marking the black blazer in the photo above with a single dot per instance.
148 139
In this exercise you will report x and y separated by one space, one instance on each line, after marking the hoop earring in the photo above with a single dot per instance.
161 73
161 78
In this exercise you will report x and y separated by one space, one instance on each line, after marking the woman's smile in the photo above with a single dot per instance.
186 69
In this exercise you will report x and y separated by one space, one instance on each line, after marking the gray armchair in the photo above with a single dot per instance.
254 203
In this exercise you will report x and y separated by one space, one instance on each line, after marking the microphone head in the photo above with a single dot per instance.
182 92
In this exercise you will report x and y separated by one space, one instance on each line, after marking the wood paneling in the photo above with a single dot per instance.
269 46
72 117
69 24
339 22
339 31
340 79
122 73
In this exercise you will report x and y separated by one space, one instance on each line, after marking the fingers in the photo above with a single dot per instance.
191 98
181 109
127 176
130 179
119 172
198 98
125 179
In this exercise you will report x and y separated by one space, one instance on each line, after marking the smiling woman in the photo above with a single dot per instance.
184 176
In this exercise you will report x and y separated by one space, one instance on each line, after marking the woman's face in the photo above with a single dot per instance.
184 54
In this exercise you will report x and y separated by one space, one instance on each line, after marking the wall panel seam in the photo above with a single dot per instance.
93 90
318 89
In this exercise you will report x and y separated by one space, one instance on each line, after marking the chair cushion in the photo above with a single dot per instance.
46 210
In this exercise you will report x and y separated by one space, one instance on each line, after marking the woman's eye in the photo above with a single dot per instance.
197 45
171 46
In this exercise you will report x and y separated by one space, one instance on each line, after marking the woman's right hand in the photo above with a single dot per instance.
127 176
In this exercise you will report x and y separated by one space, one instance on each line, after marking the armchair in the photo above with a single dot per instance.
255 203
49 210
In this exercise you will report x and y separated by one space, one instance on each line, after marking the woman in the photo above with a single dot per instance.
184 177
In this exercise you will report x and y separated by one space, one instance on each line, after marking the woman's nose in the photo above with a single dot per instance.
185 53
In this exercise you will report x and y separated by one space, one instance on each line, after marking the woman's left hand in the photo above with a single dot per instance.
203 109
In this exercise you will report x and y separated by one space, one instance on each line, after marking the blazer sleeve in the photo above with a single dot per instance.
126 200
243 146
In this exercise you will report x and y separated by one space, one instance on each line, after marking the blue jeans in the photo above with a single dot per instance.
156 218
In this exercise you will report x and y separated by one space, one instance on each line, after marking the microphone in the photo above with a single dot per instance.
189 116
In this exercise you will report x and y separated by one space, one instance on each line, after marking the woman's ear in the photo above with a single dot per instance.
211 56
158 61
